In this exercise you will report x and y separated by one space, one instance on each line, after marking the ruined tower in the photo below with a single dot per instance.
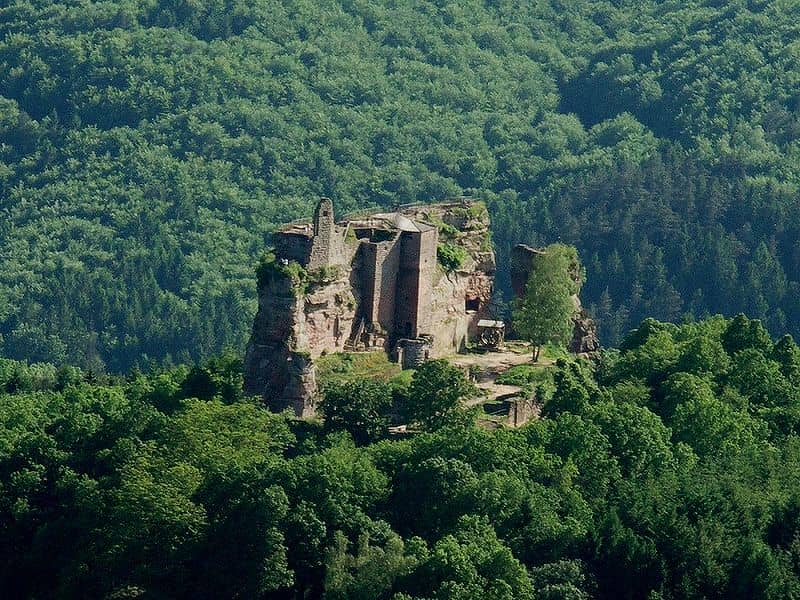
320 255
368 283
417 261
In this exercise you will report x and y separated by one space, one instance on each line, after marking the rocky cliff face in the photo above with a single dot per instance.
584 332
350 300
276 366
306 312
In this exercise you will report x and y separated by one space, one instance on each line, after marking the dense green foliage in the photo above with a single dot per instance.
532 378
148 147
359 407
450 256
671 470
435 397
543 314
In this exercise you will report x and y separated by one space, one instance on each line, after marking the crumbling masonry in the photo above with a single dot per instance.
368 283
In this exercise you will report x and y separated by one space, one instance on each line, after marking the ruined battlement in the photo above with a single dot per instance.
369 283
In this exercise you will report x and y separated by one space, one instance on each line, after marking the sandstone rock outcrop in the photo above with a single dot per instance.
413 283
375 282
584 333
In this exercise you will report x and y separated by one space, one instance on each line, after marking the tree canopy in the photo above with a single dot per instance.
653 473
148 148
544 313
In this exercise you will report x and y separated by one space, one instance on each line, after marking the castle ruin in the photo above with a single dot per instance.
369 283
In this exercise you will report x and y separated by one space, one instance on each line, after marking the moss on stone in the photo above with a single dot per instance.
486 243
450 256
478 210
270 268
321 276
446 231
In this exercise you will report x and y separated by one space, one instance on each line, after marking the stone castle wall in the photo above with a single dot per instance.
427 270
375 284
323 233
381 261
452 325
370 284
412 353
293 246
414 285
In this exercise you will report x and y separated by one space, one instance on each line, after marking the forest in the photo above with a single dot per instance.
668 469
148 148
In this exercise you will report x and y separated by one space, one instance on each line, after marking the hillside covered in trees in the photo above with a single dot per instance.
672 470
148 148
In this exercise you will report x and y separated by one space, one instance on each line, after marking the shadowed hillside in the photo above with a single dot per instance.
147 149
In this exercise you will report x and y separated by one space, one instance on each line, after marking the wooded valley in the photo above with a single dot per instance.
148 148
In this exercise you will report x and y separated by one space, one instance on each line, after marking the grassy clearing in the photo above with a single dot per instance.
554 352
518 347
341 367
549 353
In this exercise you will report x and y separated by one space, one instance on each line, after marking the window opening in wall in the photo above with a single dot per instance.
472 304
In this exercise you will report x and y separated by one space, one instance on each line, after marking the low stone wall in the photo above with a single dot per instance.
521 410
413 352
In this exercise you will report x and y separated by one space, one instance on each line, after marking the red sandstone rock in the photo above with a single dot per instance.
371 282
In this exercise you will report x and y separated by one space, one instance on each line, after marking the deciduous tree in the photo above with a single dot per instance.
436 395
544 313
